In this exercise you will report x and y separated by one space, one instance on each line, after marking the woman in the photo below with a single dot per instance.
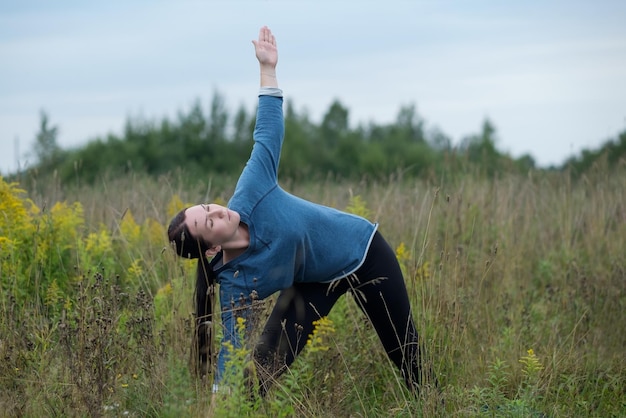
268 240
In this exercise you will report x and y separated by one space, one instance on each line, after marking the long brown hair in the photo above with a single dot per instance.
187 246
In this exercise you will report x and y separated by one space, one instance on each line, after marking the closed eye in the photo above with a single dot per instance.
209 222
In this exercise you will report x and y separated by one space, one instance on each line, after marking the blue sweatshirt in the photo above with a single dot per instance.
291 240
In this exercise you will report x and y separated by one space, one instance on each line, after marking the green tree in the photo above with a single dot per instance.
525 162
299 149
333 129
611 153
188 140
409 125
335 123
481 149
46 149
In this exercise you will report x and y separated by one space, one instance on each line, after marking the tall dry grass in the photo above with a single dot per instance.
517 284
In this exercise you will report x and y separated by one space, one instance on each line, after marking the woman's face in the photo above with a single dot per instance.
212 223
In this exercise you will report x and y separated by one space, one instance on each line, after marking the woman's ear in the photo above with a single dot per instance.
212 251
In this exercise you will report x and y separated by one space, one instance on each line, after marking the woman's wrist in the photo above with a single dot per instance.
268 77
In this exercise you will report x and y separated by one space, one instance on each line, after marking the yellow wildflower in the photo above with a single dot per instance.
403 257
131 232
67 221
153 232
322 330
358 207
175 205
15 212
165 290
241 324
401 253
135 270
99 243
532 365
423 271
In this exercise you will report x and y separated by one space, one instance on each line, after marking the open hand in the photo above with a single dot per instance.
265 48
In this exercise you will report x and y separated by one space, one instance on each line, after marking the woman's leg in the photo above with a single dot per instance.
381 293
291 322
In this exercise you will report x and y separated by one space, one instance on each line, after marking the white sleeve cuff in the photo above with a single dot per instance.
270 91
220 389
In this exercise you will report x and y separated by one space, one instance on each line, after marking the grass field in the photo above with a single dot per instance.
517 284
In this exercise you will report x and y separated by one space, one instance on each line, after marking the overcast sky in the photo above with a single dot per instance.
550 75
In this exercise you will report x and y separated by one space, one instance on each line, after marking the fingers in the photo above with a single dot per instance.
265 35
262 33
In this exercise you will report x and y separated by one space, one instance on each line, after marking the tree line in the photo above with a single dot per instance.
216 141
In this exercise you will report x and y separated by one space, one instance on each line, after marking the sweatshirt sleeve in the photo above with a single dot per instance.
261 171
235 328
237 320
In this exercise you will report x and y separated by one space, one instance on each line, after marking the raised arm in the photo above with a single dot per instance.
267 54
261 171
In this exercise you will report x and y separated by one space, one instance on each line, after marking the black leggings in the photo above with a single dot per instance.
380 291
